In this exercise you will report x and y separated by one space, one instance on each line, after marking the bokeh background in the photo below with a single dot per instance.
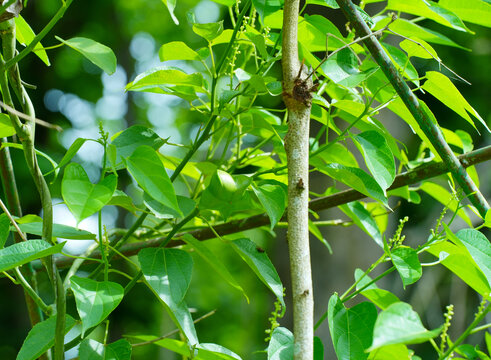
74 94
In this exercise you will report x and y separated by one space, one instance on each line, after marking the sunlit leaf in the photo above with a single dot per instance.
177 50
259 262
81 196
357 179
418 48
129 139
59 231
444 90
165 76
171 5
380 297
406 262
6 127
98 54
42 337
21 253
95 300
400 324
378 157
281 345
474 11
208 31
267 7
24 35
93 350
391 352
167 273
351 329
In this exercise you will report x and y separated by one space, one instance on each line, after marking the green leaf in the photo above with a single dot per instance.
329 3
208 351
400 324
410 30
171 5
70 153
474 11
4 229
461 264
487 219
59 231
422 50
177 50
267 7
378 157
207 255
479 248
407 264
93 350
444 90
6 128
357 179
402 63
168 273
95 300
21 253
168 80
380 297
391 352
364 220
318 349
25 35
259 262
443 196
162 211
273 198
98 54
281 345
40 153
149 172
351 329
81 196
122 200
131 138
42 337
208 31
430 10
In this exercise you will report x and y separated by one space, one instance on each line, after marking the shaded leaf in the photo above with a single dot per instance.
259 262
380 297
267 7
21 253
98 54
351 329
95 300
59 231
400 324
213 261
478 246
364 220
318 349
146 168
4 229
81 196
93 350
42 337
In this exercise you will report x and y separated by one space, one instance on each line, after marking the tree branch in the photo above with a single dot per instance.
431 130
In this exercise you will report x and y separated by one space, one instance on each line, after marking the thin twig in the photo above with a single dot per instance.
173 332
30 118
16 226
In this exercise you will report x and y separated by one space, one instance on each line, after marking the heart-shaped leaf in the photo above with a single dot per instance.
95 300
168 273
407 264
81 196
400 324
351 329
